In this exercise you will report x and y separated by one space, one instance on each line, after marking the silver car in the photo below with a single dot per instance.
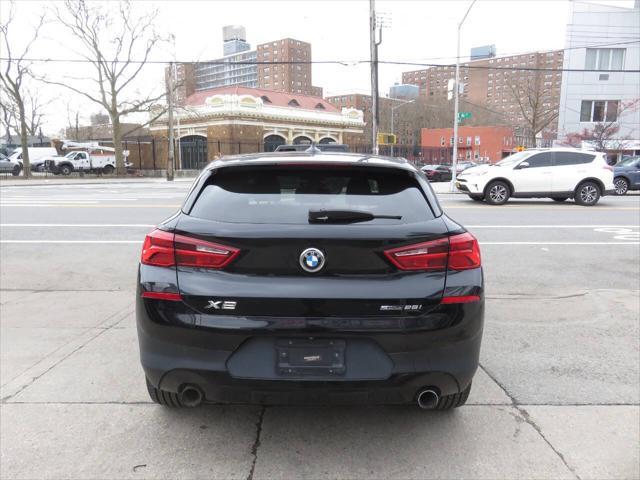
8 166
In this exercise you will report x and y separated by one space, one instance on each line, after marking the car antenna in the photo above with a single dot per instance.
313 149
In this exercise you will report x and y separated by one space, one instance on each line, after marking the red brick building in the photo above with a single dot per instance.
288 76
493 81
479 144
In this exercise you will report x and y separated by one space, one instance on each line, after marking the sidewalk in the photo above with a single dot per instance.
23 182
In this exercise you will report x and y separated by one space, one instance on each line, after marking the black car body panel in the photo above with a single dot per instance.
239 333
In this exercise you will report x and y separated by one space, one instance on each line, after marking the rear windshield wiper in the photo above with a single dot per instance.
345 216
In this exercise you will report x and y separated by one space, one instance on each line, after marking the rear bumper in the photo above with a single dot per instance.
227 366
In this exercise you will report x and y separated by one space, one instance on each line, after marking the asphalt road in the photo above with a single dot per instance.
557 394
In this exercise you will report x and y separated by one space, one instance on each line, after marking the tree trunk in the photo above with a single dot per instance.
24 141
117 145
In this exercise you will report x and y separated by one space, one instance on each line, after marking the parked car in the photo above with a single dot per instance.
36 157
324 147
462 166
306 278
558 173
9 166
437 173
626 175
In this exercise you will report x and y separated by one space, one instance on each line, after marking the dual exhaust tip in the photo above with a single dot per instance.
191 396
427 399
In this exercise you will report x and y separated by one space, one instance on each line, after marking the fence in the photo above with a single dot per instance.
193 153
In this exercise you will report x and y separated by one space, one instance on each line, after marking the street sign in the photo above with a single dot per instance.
463 116
386 139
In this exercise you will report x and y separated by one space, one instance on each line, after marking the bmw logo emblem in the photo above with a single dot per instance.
312 260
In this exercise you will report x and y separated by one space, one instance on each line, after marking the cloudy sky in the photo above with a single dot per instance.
418 31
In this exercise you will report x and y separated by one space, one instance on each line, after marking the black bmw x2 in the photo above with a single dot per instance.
301 278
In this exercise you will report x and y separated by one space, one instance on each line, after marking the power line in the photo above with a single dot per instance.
336 62
512 54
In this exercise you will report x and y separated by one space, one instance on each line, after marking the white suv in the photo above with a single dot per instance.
558 173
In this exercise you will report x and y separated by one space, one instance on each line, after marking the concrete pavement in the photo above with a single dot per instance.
557 395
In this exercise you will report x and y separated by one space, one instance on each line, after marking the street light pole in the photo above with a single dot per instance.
170 162
393 109
374 77
456 92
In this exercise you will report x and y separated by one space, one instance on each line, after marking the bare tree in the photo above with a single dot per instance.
13 74
536 102
8 118
117 45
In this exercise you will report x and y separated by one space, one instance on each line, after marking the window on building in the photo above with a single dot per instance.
605 58
265 99
599 110
477 140
320 106
442 141
293 103
469 141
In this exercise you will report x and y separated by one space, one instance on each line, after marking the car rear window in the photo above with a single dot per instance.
285 194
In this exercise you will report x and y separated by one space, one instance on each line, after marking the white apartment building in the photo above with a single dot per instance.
604 39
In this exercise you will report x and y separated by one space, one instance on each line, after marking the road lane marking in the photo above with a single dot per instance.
534 207
552 226
133 205
89 225
70 241
559 243
481 243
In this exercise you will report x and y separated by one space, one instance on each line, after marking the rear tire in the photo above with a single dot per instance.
16 171
559 199
108 169
497 193
587 194
621 185
161 397
453 401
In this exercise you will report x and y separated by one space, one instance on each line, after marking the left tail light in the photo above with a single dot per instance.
458 252
165 249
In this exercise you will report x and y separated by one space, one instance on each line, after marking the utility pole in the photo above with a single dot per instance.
374 76
170 163
456 93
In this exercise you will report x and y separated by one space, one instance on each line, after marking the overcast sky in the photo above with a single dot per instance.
419 31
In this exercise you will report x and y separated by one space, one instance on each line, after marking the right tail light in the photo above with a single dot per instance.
458 252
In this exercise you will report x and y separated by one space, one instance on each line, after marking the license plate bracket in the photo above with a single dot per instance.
310 357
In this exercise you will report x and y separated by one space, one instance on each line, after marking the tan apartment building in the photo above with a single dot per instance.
492 82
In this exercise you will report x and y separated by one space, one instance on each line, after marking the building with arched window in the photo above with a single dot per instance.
235 119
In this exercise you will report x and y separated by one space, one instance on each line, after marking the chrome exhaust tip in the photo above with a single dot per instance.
427 399
191 396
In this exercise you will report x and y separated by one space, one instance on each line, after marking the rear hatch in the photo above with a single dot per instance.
282 263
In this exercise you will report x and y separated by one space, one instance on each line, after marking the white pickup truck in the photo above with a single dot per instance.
94 159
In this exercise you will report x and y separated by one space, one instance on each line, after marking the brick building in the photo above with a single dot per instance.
286 77
490 82
235 119
478 144
242 66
